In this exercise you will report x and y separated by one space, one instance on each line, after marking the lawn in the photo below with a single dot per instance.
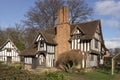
94 75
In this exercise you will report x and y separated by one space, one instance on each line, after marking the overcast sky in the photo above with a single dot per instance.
108 11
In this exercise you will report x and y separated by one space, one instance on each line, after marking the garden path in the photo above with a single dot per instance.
118 76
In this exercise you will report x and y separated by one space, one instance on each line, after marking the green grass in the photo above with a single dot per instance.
94 75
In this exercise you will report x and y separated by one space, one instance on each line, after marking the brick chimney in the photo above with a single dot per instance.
63 32
63 15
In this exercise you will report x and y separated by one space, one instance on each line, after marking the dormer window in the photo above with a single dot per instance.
42 43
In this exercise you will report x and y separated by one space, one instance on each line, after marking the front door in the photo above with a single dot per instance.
9 59
42 60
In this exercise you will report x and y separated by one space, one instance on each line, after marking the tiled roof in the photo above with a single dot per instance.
3 43
30 51
49 37
89 28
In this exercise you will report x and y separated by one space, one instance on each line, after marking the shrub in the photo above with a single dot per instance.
18 65
54 76
69 60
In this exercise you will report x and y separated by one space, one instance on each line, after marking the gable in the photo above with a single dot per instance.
77 30
8 44
39 37
98 34
47 37
87 28
98 29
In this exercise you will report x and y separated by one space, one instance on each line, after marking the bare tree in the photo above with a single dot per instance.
117 50
2 37
29 35
79 10
44 14
15 34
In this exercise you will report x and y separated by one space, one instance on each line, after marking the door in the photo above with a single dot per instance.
9 59
42 60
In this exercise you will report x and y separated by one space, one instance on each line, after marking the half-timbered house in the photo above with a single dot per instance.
65 37
9 52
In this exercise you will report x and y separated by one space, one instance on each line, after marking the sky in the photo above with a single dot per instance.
108 11
13 11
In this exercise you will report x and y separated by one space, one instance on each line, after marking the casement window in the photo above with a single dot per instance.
96 43
41 43
28 60
9 50
77 36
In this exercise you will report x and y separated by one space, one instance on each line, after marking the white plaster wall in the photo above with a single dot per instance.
14 53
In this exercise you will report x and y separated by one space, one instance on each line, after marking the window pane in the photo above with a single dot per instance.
41 44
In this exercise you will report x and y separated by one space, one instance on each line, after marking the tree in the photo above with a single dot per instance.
29 35
79 10
15 34
44 13
117 50
2 37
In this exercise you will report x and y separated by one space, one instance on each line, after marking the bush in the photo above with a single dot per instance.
18 65
55 76
11 73
69 60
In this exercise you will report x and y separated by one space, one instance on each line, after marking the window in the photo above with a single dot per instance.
28 60
96 43
8 50
9 59
41 43
77 36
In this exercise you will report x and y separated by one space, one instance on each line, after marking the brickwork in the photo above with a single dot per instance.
27 67
63 32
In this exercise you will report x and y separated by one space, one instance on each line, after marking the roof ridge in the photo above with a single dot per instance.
86 22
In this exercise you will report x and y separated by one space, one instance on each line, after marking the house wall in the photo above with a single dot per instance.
39 40
86 46
50 49
97 37
91 60
13 53
28 60
47 49
77 43
50 60
93 45
82 45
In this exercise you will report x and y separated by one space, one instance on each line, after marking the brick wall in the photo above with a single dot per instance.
63 32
